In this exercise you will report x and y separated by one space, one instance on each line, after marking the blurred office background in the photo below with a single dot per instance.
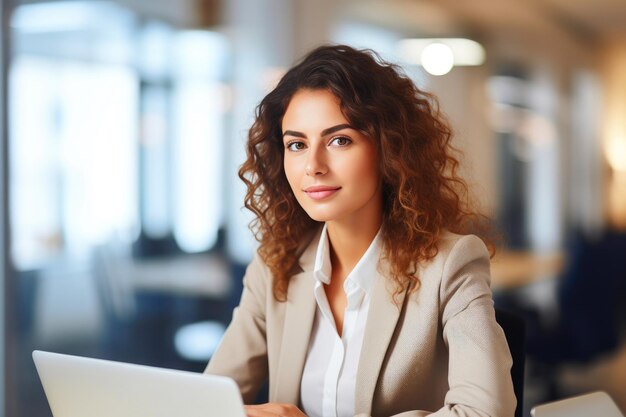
123 125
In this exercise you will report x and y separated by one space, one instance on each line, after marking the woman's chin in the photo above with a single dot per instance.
321 216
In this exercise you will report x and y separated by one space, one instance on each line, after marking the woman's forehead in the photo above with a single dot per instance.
313 109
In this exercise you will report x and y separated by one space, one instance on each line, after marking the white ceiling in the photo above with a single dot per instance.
564 30
583 20
602 18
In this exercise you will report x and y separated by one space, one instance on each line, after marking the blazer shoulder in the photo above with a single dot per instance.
452 249
257 280
257 268
458 250
453 252
258 274
449 240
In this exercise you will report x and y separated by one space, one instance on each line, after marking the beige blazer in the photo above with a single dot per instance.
439 352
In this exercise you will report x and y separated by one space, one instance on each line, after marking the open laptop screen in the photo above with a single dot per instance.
78 387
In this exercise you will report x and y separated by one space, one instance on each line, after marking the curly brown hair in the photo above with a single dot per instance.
423 195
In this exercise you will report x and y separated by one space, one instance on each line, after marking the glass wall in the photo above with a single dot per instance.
115 197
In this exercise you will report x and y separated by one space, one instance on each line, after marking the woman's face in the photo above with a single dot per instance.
331 167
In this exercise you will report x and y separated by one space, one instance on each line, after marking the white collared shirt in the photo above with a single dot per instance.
329 379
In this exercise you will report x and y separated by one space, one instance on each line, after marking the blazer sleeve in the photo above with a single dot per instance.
242 353
479 358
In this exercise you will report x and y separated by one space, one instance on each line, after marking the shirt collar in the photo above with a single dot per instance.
323 267
364 272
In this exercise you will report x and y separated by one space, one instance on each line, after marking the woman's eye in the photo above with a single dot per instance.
340 141
295 146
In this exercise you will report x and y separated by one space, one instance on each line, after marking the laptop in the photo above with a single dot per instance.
78 387
596 404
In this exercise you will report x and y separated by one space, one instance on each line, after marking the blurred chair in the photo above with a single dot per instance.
586 320
590 293
152 306
588 297
515 331
113 282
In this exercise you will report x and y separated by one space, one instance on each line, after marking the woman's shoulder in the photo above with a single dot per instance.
455 253
259 270
257 274
461 246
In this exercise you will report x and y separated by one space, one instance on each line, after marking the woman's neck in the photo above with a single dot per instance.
349 242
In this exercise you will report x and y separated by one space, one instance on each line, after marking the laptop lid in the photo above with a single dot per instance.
78 387
596 404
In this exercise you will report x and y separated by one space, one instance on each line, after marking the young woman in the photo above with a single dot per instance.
366 296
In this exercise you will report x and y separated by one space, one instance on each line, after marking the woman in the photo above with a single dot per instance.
366 297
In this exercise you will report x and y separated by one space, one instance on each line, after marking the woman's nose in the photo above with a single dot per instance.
316 163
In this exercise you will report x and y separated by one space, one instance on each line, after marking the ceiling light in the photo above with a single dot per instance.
464 52
437 58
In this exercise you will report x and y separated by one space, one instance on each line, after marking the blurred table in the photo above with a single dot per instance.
511 269
121 278
194 275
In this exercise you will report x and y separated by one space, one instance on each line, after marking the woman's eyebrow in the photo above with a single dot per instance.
294 133
325 132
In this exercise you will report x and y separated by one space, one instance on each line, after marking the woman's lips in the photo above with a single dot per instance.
321 192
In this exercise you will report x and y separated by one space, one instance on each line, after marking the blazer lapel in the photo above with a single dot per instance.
381 322
299 314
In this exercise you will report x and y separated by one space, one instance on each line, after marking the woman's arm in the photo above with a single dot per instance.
242 353
479 359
